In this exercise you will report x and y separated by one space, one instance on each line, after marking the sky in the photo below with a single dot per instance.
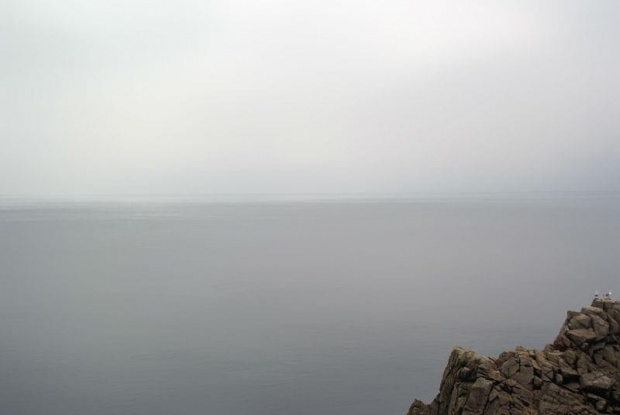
183 97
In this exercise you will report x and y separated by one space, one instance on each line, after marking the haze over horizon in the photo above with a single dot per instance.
289 97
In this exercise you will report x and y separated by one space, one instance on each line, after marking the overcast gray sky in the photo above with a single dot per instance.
159 97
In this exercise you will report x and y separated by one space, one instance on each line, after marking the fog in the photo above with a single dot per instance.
201 97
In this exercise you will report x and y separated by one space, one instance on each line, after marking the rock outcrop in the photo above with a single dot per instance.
579 374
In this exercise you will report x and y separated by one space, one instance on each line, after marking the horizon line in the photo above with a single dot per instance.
286 197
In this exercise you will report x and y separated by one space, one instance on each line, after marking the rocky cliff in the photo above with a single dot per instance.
578 374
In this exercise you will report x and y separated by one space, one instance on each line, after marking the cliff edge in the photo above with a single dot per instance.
578 374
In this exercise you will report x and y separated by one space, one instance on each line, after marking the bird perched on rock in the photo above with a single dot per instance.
608 296
596 296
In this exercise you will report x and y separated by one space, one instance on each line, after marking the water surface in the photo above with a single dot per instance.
333 307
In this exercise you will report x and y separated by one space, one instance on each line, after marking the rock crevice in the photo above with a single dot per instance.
578 374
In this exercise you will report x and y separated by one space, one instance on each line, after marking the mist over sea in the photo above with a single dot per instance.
327 307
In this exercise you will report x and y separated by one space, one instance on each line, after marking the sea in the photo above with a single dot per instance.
307 306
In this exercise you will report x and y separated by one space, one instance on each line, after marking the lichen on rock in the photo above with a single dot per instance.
579 374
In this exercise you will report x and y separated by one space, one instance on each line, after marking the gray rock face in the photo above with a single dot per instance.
579 374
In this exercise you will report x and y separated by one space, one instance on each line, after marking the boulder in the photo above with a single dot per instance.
580 336
596 382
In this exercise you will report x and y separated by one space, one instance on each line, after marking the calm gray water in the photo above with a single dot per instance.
280 308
